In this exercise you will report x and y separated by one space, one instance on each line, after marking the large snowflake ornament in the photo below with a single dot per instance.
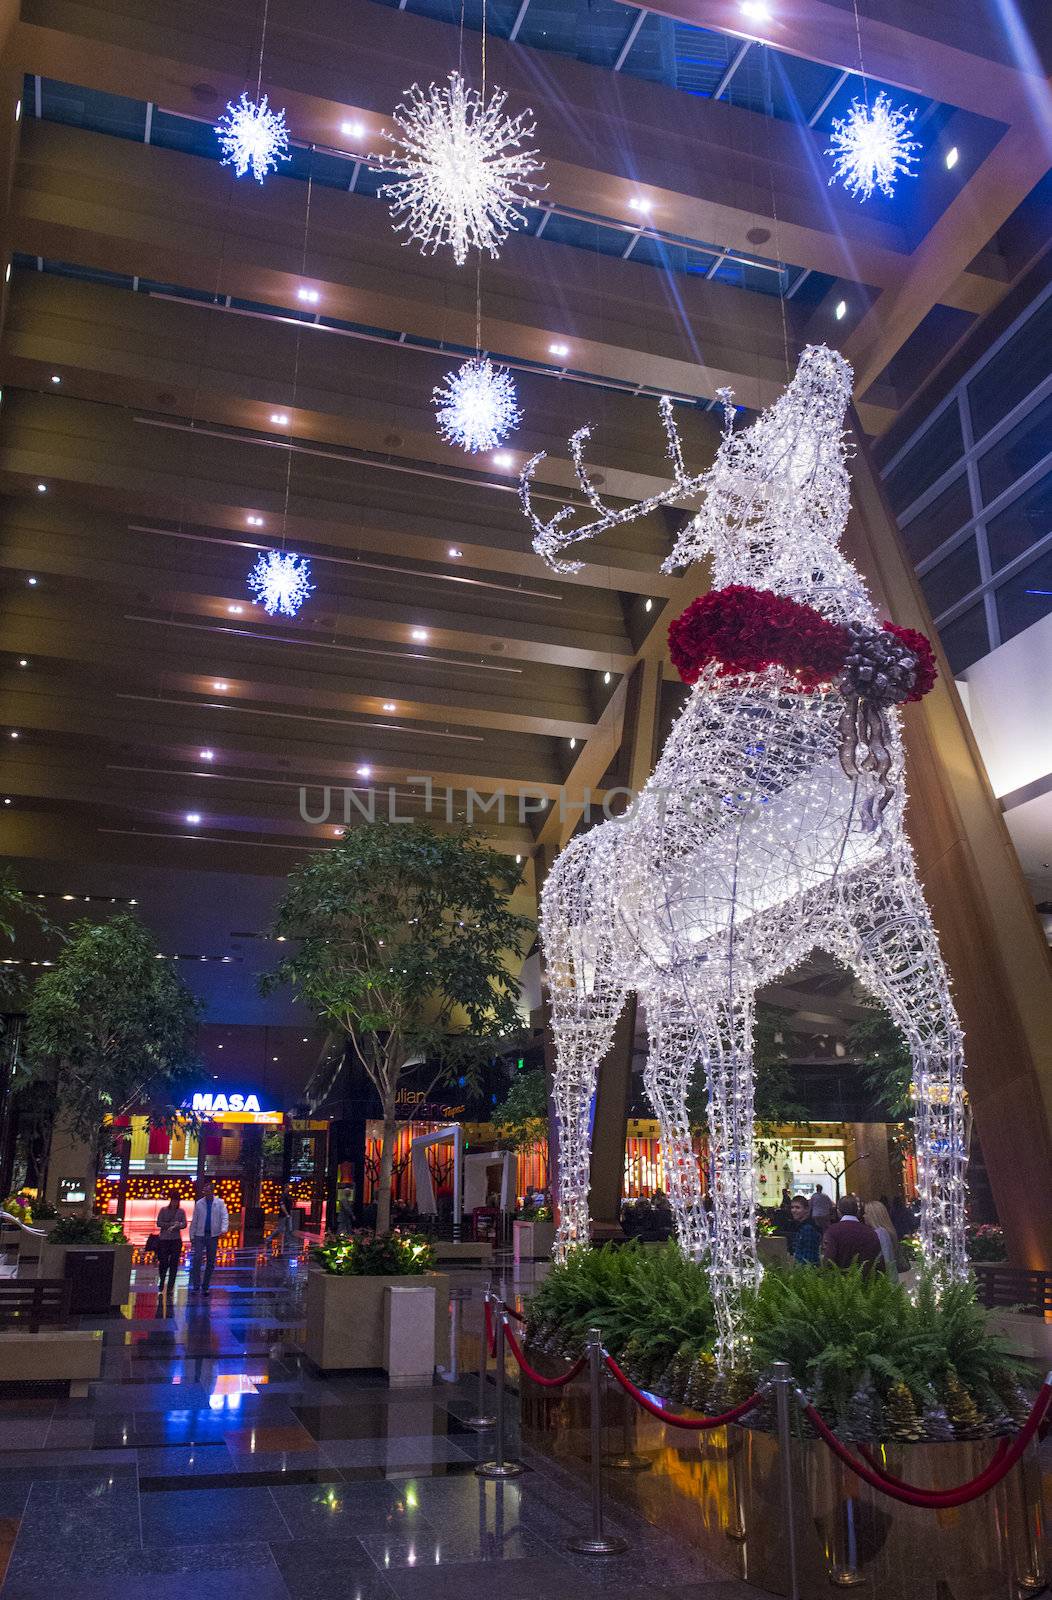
477 405
871 146
252 137
463 172
280 582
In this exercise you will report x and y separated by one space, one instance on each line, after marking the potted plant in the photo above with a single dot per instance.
71 1235
350 1317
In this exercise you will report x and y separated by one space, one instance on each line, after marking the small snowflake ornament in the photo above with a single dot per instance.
252 137
280 581
462 170
477 406
871 146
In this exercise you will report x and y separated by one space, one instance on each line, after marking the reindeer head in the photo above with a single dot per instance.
775 500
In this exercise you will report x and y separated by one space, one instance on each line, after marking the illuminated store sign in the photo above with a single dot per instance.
229 1105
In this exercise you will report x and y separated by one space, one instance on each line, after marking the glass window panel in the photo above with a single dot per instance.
952 579
939 520
936 450
1025 521
965 639
1016 369
1026 598
1020 449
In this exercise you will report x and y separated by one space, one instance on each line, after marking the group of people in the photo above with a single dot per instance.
849 1231
209 1221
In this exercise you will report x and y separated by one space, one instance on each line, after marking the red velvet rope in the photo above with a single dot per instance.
939 1499
531 1372
671 1416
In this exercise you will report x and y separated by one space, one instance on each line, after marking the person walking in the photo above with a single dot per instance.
171 1220
821 1208
805 1244
876 1214
207 1226
286 1219
849 1239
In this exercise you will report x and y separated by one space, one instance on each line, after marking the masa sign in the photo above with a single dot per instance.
208 1104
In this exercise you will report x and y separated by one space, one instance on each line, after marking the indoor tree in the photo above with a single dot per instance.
113 1028
404 938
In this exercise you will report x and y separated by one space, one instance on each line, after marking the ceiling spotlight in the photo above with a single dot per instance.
279 418
23 661
339 832
364 772
311 296
503 459
352 130
7 273
55 378
756 10
518 861
18 108
841 310
32 582
41 488
7 800
454 553
420 635
573 744
235 610
953 155
14 733
558 349
193 817
207 755
220 685
389 705
606 677
639 203
254 522
648 605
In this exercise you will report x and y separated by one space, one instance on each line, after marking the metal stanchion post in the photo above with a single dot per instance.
628 1458
482 1419
782 1381
498 1467
596 1543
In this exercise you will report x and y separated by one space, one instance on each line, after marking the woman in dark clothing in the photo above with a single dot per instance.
171 1220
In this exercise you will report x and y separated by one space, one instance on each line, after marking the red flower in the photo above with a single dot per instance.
927 671
745 630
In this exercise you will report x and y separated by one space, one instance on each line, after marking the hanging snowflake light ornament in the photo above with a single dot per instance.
463 172
477 406
252 137
280 582
872 147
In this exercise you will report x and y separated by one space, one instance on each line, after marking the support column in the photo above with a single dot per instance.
989 931
613 1098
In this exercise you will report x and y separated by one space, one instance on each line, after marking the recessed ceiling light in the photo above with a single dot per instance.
841 310
953 155
7 800
7 273
573 744
207 755
352 130
220 685
420 635
193 817
55 378
364 772
32 582
503 459
311 296
23 661
558 349
454 553
279 418
648 605
606 677
41 488
389 705
518 861
639 202
235 610
254 522
14 733
18 109
339 832
756 10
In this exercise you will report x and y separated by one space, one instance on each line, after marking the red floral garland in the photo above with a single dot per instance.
744 630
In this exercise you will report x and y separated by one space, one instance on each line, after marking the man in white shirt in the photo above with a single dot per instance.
207 1226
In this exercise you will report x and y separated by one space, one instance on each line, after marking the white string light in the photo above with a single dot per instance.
252 137
464 174
872 147
476 405
748 847
281 582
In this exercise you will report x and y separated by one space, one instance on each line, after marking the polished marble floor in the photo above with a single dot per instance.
209 1463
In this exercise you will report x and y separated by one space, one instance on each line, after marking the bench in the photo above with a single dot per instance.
1021 1288
35 1345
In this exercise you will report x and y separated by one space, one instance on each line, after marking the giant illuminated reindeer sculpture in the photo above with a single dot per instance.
772 825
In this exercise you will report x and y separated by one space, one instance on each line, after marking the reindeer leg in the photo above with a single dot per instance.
674 1050
890 942
583 1027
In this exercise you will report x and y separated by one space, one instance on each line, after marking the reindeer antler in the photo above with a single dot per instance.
550 538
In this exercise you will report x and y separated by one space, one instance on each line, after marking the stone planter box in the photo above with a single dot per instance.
29 1245
533 1240
348 1319
53 1264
